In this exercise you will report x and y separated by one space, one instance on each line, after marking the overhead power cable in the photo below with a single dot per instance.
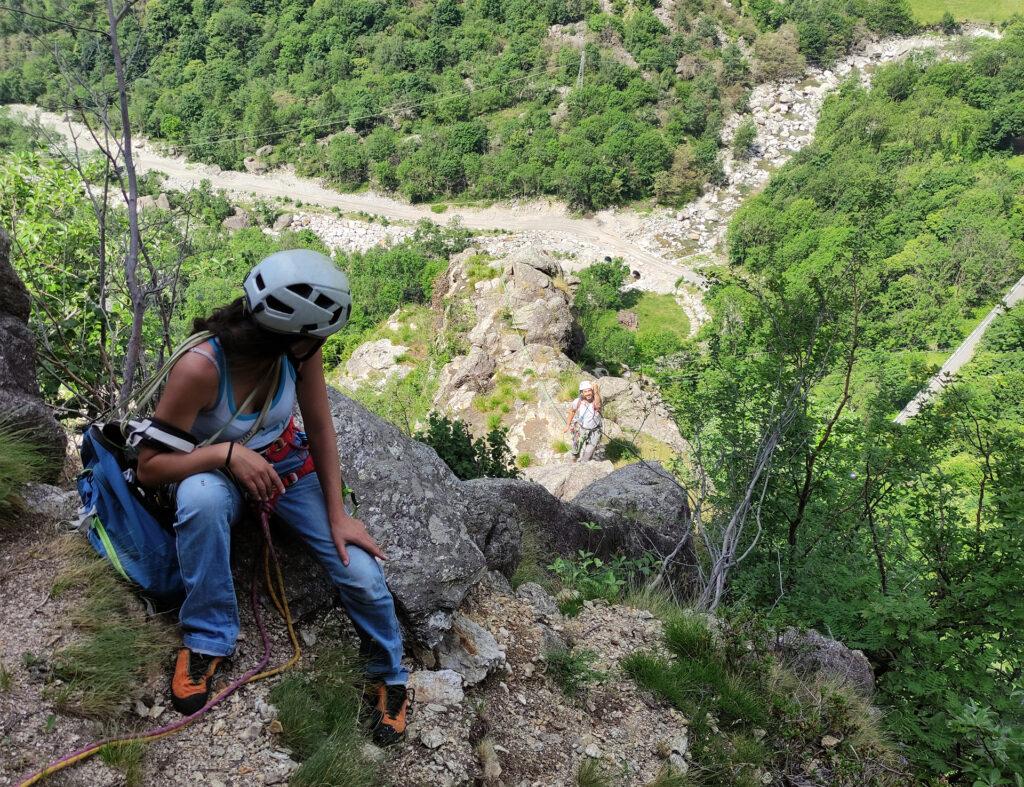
53 21
348 119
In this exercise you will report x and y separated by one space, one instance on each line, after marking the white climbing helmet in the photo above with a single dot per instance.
586 386
298 291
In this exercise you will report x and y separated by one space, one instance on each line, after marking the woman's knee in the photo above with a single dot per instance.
206 495
363 577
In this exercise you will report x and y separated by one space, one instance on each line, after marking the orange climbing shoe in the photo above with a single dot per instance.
190 684
389 712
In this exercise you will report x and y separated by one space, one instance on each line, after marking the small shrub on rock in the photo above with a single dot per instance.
483 457
743 141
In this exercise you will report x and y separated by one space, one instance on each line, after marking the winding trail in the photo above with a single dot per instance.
537 216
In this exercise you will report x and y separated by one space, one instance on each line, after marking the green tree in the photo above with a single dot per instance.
346 161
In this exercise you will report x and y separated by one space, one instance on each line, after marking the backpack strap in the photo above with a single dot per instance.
144 395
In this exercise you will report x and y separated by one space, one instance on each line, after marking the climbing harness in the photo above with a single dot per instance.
581 436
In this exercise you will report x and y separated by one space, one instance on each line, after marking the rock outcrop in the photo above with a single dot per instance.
376 362
238 220
21 405
523 328
810 653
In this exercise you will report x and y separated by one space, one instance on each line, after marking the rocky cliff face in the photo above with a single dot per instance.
21 406
516 370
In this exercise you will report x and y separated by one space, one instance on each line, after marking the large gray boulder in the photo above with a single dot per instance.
654 508
417 510
810 653
503 507
21 405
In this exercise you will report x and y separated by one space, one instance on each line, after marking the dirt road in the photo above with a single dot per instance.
544 216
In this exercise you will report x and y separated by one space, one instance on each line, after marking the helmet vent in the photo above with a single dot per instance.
323 301
302 290
279 306
259 281
310 326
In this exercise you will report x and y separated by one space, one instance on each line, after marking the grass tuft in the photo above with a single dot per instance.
20 462
568 385
118 648
6 678
479 268
689 638
318 710
590 774
126 757
531 560
507 390
670 777
571 669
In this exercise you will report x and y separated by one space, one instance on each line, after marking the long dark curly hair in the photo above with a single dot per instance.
243 339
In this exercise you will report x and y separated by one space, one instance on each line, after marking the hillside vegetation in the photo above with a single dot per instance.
882 241
481 99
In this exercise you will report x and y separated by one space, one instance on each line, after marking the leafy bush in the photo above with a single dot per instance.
777 55
264 212
483 457
743 141
591 577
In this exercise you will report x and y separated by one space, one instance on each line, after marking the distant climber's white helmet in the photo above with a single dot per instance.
298 291
586 386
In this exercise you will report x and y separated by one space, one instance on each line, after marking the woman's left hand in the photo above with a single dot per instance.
349 530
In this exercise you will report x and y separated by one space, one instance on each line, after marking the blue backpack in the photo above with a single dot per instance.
128 524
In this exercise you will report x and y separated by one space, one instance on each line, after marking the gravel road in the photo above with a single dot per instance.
537 216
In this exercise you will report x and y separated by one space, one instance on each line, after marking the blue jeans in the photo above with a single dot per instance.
208 504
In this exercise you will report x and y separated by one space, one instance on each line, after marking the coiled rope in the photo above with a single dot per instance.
258 672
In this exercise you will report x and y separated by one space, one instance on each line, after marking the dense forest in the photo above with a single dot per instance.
878 245
597 104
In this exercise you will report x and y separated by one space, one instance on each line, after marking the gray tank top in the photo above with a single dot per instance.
224 410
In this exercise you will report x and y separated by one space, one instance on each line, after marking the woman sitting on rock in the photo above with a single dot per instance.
266 349
585 421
